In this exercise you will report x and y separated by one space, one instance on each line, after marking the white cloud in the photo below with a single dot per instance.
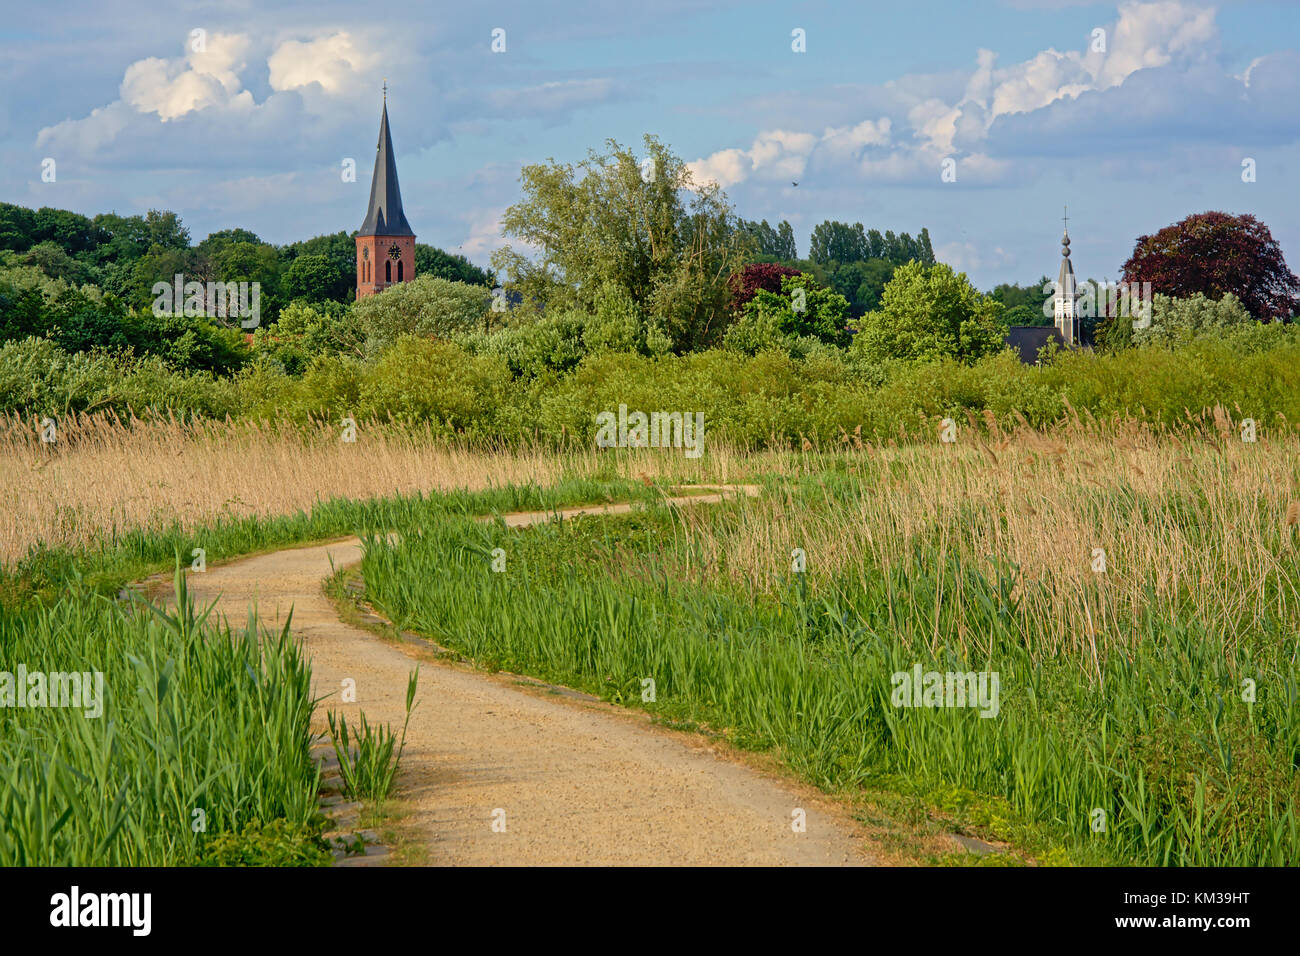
725 168
303 76
1145 36
172 88
485 236
335 62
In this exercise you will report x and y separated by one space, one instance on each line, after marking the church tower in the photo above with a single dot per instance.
1065 303
386 243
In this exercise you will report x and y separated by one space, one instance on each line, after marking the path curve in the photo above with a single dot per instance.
581 782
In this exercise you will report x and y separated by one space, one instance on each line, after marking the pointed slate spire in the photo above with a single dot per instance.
384 217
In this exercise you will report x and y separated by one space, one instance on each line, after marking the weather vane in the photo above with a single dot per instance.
385 89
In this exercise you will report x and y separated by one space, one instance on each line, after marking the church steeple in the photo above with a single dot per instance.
1066 298
384 217
386 241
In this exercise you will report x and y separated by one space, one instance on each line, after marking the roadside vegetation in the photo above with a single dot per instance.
1155 700
198 752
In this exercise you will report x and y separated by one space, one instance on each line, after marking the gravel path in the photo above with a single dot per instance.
580 782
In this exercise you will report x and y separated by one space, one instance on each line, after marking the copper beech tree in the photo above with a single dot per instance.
1215 254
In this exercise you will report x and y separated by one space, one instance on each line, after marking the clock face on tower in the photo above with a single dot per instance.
394 251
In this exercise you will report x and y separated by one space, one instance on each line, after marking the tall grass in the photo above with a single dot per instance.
204 733
370 768
108 480
1125 692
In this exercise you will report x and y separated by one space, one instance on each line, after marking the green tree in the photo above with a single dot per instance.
862 283
426 307
305 332
928 313
125 238
17 223
803 308
432 261
313 278
165 229
340 250
838 242
768 242
925 251
51 259
638 223
73 232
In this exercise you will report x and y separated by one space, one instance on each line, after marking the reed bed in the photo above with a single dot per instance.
202 738
1160 693
1187 524
104 476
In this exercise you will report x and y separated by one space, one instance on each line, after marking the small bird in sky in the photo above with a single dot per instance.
794 184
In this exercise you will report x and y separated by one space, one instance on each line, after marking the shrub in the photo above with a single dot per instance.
930 313
1177 321
306 332
802 308
425 306
437 382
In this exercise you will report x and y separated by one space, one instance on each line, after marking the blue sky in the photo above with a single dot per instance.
251 129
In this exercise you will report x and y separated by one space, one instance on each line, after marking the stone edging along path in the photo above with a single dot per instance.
499 770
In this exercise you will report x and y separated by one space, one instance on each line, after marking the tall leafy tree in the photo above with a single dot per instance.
774 243
1215 254
833 241
925 251
337 249
313 278
928 313
636 222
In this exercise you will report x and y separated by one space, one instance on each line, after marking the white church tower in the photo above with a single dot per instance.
1065 305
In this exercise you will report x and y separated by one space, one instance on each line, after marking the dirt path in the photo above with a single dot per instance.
580 782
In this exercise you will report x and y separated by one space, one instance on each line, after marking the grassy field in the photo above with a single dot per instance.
1161 691
1157 698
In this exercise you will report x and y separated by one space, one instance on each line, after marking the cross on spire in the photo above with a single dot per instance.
1066 220
385 89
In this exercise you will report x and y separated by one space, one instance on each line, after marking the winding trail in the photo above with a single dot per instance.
581 781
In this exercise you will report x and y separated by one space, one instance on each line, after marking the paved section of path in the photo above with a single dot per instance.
579 782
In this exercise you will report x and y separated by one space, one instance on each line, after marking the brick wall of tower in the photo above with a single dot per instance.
374 279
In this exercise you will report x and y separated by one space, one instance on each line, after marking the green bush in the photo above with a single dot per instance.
436 382
37 377
803 309
931 313
425 306
305 332
1178 321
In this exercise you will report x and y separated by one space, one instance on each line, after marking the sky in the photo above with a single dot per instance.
245 114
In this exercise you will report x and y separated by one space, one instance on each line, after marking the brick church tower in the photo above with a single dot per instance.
386 243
